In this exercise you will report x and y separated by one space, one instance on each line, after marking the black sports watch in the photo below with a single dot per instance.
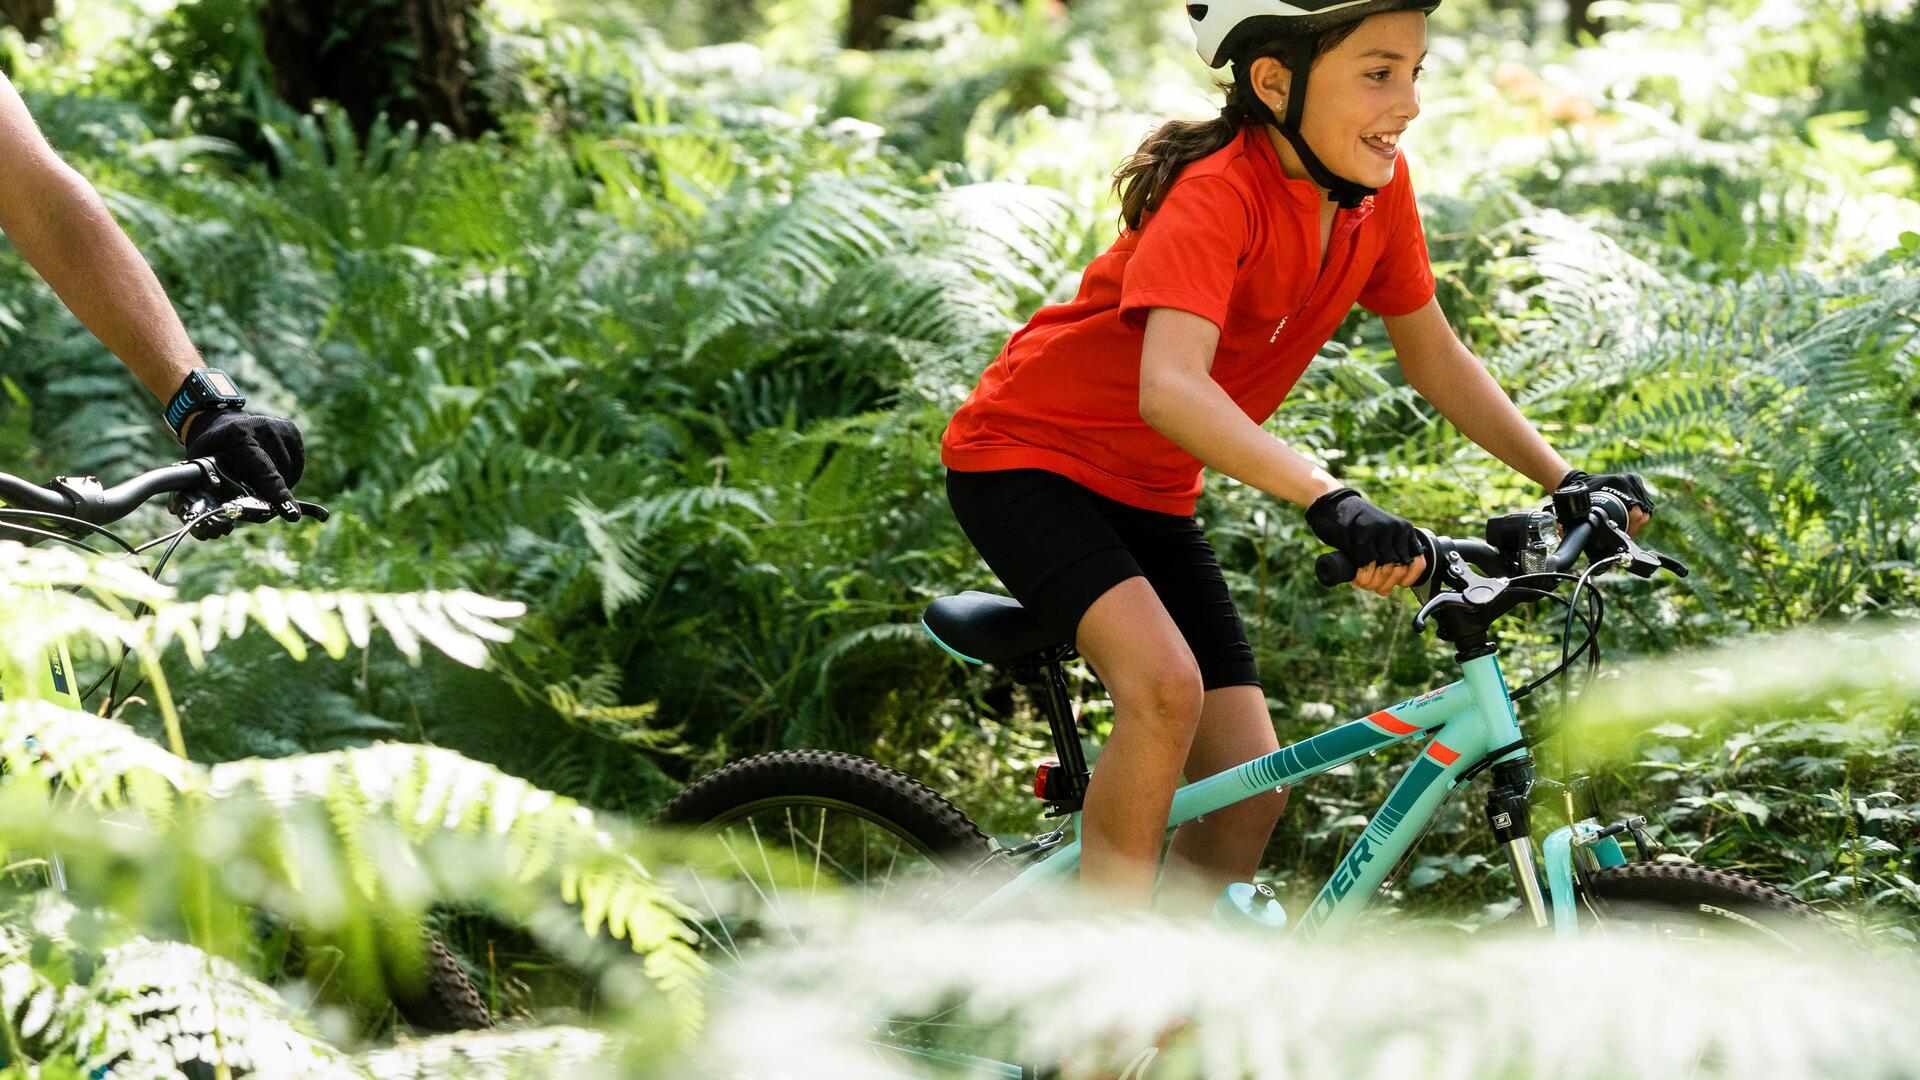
206 390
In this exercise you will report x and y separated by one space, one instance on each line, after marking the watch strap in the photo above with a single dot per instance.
204 390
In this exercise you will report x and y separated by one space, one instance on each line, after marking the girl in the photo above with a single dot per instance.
1075 463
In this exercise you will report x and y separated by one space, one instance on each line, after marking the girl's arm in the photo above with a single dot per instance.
1179 399
58 222
1443 371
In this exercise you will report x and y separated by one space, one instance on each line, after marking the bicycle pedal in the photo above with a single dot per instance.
1246 904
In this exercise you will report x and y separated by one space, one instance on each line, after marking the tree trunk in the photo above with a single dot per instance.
407 58
870 22
27 16
1581 21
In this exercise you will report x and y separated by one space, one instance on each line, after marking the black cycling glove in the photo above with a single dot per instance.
1361 531
1629 486
263 452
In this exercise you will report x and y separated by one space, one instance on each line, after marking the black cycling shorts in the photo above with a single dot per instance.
1058 546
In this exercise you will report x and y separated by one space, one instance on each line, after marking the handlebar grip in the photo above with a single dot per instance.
1334 568
1611 505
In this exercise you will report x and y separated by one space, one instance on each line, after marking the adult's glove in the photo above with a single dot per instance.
1361 531
263 452
1631 489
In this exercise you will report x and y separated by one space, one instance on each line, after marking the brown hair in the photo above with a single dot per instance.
1143 180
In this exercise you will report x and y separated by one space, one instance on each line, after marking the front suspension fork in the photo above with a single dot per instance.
1553 902
1508 806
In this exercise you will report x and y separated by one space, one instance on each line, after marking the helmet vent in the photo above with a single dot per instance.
1196 12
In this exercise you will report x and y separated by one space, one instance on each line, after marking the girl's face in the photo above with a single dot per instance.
1361 95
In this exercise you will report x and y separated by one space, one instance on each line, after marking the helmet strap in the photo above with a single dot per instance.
1299 60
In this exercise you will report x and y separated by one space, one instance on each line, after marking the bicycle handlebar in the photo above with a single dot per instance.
84 498
1335 568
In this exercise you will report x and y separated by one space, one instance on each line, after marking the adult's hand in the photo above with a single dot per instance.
1385 547
263 452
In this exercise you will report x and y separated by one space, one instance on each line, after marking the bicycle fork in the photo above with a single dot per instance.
1569 852
1508 808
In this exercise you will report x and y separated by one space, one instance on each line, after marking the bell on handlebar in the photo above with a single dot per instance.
1571 505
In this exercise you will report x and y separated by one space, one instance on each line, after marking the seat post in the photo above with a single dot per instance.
1049 680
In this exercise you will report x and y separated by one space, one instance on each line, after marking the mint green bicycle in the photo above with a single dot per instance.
883 835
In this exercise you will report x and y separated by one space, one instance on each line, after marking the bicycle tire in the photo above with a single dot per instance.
447 1001
819 784
1718 903
887 795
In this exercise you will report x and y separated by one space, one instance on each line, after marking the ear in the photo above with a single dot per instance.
1271 80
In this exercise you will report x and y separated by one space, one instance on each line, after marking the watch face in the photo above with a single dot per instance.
220 383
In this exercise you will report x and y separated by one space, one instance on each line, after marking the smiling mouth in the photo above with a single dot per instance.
1384 143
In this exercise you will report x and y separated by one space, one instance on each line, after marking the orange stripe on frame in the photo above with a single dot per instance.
1442 754
1387 721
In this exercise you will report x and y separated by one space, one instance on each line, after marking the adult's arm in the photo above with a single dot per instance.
63 228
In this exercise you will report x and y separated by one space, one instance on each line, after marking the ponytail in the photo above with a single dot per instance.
1143 180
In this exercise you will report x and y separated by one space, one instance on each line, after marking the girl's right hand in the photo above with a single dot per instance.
1375 577
1385 546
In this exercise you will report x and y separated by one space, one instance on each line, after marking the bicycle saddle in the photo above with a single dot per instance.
987 629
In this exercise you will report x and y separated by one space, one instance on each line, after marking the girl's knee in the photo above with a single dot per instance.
1171 693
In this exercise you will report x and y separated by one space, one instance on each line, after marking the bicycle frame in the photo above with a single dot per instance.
57 681
1462 721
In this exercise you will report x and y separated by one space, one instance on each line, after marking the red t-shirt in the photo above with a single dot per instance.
1235 241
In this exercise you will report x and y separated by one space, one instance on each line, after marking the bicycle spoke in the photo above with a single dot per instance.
819 852
734 949
780 909
748 874
886 883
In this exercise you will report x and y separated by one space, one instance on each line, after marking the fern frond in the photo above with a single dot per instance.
497 1055
102 761
797 251
152 1006
426 792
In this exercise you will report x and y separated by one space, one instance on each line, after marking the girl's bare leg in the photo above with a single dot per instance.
1142 659
1226 845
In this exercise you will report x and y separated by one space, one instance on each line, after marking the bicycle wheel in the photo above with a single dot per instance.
793 825
446 1001
1684 901
807 819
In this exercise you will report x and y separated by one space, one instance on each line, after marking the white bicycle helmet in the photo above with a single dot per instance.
1224 28
1226 31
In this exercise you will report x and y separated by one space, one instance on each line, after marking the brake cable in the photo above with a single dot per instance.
1591 621
172 540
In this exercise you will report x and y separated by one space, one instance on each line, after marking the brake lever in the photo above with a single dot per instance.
1641 562
252 508
209 514
1441 600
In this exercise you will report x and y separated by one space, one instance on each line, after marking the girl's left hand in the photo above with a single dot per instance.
1384 578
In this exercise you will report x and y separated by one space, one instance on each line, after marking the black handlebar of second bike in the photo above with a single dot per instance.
84 498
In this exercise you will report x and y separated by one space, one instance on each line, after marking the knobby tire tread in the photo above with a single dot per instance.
448 1002
887 793
1691 883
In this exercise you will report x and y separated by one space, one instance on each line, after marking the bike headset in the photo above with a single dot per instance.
1238 32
